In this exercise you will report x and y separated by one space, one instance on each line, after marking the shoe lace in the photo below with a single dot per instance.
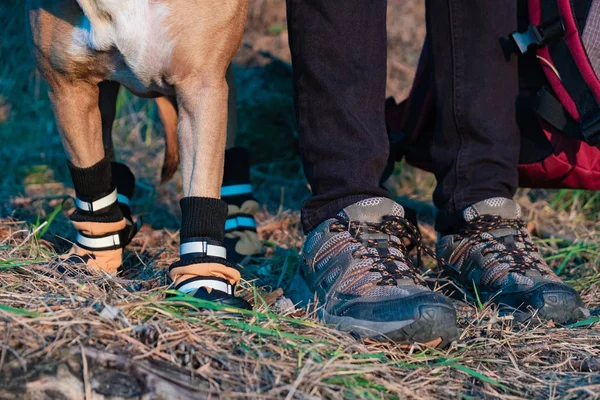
517 257
409 238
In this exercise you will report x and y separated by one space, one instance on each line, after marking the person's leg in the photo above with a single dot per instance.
476 150
339 58
476 142
355 256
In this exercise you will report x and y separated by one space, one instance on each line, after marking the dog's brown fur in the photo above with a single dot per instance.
205 36
167 111
185 53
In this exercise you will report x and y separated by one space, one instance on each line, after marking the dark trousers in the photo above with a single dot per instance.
339 60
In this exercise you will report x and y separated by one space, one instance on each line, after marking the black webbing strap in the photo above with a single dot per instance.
535 146
581 9
552 111
547 107
572 79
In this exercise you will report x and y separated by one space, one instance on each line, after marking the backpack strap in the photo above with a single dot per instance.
548 108
570 74
576 111
581 9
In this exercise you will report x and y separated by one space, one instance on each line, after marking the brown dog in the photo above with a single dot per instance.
241 238
154 48
167 111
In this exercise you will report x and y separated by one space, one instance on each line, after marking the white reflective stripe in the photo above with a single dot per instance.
234 190
98 204
213 284
244 222
98 243
202 247
121 198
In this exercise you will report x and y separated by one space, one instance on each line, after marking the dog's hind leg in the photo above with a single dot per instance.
167 110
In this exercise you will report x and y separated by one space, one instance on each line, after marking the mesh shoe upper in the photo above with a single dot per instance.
494 249
361 255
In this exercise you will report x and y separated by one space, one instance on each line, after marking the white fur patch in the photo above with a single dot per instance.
137 30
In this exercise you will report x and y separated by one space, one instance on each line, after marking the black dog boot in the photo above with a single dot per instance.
98 219
102 217
124 180
203 270
241 238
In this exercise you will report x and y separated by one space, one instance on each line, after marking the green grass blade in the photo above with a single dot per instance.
479 303
19 311
14 263
199 303
264 331
51 218
587 322
478 375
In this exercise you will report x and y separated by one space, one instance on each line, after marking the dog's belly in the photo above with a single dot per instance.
142 86
138 42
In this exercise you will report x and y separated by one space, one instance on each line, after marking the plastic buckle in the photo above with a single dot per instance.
590 130
523 40
537 36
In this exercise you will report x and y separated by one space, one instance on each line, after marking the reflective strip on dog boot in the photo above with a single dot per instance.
189 250
97 205
193 284
103 241
208 280
240 222
203 258
241 238
98 243
236 190
122 199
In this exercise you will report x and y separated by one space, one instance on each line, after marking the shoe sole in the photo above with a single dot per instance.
435 326
558 305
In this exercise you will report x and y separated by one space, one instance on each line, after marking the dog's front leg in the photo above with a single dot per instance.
97 218
203 270
75 105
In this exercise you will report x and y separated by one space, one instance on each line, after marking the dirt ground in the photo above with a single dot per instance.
99 338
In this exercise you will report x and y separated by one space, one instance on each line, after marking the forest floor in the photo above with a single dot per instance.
98 337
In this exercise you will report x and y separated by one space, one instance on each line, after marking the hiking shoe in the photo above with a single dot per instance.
358 267
492 251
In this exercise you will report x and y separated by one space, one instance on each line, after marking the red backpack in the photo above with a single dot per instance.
558 109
